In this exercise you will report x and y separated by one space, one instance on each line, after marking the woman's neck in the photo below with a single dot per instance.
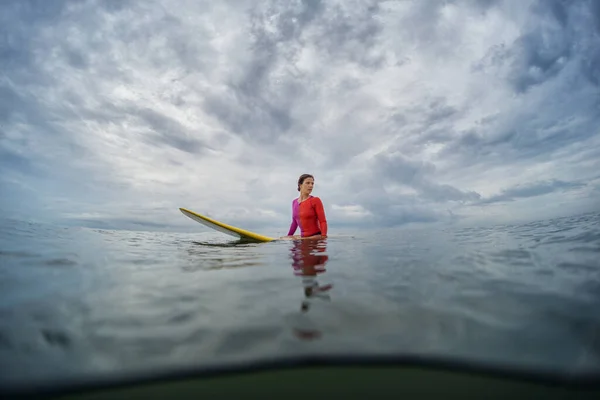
303 197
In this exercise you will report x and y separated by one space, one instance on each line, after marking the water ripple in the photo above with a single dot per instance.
92 301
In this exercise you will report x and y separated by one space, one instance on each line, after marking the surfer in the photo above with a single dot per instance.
308 212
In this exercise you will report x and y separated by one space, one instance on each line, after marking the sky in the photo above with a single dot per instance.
114 114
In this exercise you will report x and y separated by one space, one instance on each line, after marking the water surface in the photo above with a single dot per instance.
81 302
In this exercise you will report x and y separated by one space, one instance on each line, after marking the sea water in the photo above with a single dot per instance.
78 302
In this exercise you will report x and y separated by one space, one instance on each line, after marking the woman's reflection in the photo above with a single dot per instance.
309 257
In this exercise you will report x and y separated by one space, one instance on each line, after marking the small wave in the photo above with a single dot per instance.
60 262
17 254
579 267
56 338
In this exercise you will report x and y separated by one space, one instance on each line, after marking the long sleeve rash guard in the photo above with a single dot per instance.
309 216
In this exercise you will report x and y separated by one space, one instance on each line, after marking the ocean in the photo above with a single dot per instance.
79 303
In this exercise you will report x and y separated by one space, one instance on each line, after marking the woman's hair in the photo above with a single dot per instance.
302 178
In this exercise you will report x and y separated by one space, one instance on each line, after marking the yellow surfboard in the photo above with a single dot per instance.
225 228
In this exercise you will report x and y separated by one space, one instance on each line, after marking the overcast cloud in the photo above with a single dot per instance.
116 113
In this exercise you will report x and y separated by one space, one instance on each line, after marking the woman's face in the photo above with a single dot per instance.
307 185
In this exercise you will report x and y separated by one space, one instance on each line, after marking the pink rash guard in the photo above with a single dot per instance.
309 216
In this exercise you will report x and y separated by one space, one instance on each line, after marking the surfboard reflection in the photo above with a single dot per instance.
309 258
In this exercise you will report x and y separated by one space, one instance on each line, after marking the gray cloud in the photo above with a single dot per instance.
417 111
261 103
532 189
10 160
553 43
256 104
168 131
396 189
258 121
351 32
546 49
418 175
595 11
10 103
537 58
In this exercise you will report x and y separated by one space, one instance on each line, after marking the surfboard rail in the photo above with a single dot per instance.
225 228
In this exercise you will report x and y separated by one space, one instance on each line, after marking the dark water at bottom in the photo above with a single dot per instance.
80 302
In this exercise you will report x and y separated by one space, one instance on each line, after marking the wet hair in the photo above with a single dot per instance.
302 178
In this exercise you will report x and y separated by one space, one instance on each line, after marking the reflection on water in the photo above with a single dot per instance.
78 303
207 255
308 261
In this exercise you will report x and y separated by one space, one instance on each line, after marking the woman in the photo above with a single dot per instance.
307 211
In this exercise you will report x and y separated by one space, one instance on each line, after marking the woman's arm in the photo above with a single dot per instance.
293 227
320 210
294 224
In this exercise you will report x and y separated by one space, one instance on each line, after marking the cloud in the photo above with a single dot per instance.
532 190
117 113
